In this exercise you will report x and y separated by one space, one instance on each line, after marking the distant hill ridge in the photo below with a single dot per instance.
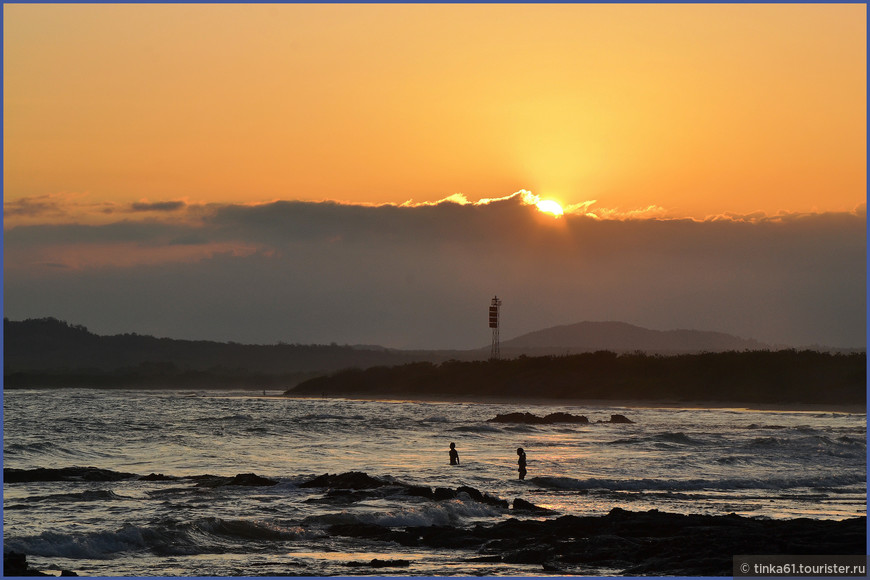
47 351
623 337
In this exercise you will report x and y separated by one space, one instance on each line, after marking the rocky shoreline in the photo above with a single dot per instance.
624 542
631 543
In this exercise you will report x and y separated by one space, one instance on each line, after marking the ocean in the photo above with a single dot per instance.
760 464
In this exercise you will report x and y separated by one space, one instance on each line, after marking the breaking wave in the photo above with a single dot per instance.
202 536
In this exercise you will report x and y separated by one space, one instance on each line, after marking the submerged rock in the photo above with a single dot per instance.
245 479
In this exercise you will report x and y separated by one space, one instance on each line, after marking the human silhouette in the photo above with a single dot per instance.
521 462
454 455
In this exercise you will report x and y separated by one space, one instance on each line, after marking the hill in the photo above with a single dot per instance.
50 352
621 337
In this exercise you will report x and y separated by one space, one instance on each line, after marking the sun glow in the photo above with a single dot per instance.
550 206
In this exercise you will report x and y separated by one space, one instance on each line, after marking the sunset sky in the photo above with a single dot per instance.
274 172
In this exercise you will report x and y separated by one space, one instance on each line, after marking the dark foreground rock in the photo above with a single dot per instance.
377 563
521 505
15 564
636 543
12 475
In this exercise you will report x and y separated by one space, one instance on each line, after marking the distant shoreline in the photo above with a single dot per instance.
794 407
852 409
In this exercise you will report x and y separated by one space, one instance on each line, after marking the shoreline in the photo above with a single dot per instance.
851 409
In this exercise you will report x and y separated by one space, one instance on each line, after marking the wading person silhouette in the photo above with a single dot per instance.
521 462
454 455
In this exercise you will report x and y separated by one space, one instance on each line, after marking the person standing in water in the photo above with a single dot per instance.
521 462
454 455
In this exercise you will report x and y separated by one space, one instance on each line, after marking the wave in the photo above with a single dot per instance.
443 513
669 438
89 495
330 417
225 418
211 535
645 484
475 429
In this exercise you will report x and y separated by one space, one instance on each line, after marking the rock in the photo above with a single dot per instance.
376 563
537 554
419 491
157 477
12 475
515 418
636 543
532 419
620 419
246 479
526 506
442 493
251 479
348 480
15 564
565 418
482 497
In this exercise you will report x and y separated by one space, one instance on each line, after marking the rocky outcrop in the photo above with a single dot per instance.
377 563
15 564
521 505
12 475
618 419
348 480
637 543
531 418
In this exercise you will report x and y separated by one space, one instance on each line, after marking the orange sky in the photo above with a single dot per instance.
697 109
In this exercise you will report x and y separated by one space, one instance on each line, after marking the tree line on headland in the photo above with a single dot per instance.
786 376
51 353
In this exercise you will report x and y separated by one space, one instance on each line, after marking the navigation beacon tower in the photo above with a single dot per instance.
494 307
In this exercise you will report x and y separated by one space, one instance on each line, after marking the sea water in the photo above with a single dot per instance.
768 464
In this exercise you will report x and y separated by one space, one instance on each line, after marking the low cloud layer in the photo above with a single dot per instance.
422 275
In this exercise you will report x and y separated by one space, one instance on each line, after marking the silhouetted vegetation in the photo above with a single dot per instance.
53 353
786 376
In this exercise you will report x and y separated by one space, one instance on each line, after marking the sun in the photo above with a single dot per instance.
550 206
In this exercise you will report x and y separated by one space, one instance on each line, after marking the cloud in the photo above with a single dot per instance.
421 275
161 206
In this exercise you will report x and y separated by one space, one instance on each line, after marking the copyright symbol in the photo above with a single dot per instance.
744 567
